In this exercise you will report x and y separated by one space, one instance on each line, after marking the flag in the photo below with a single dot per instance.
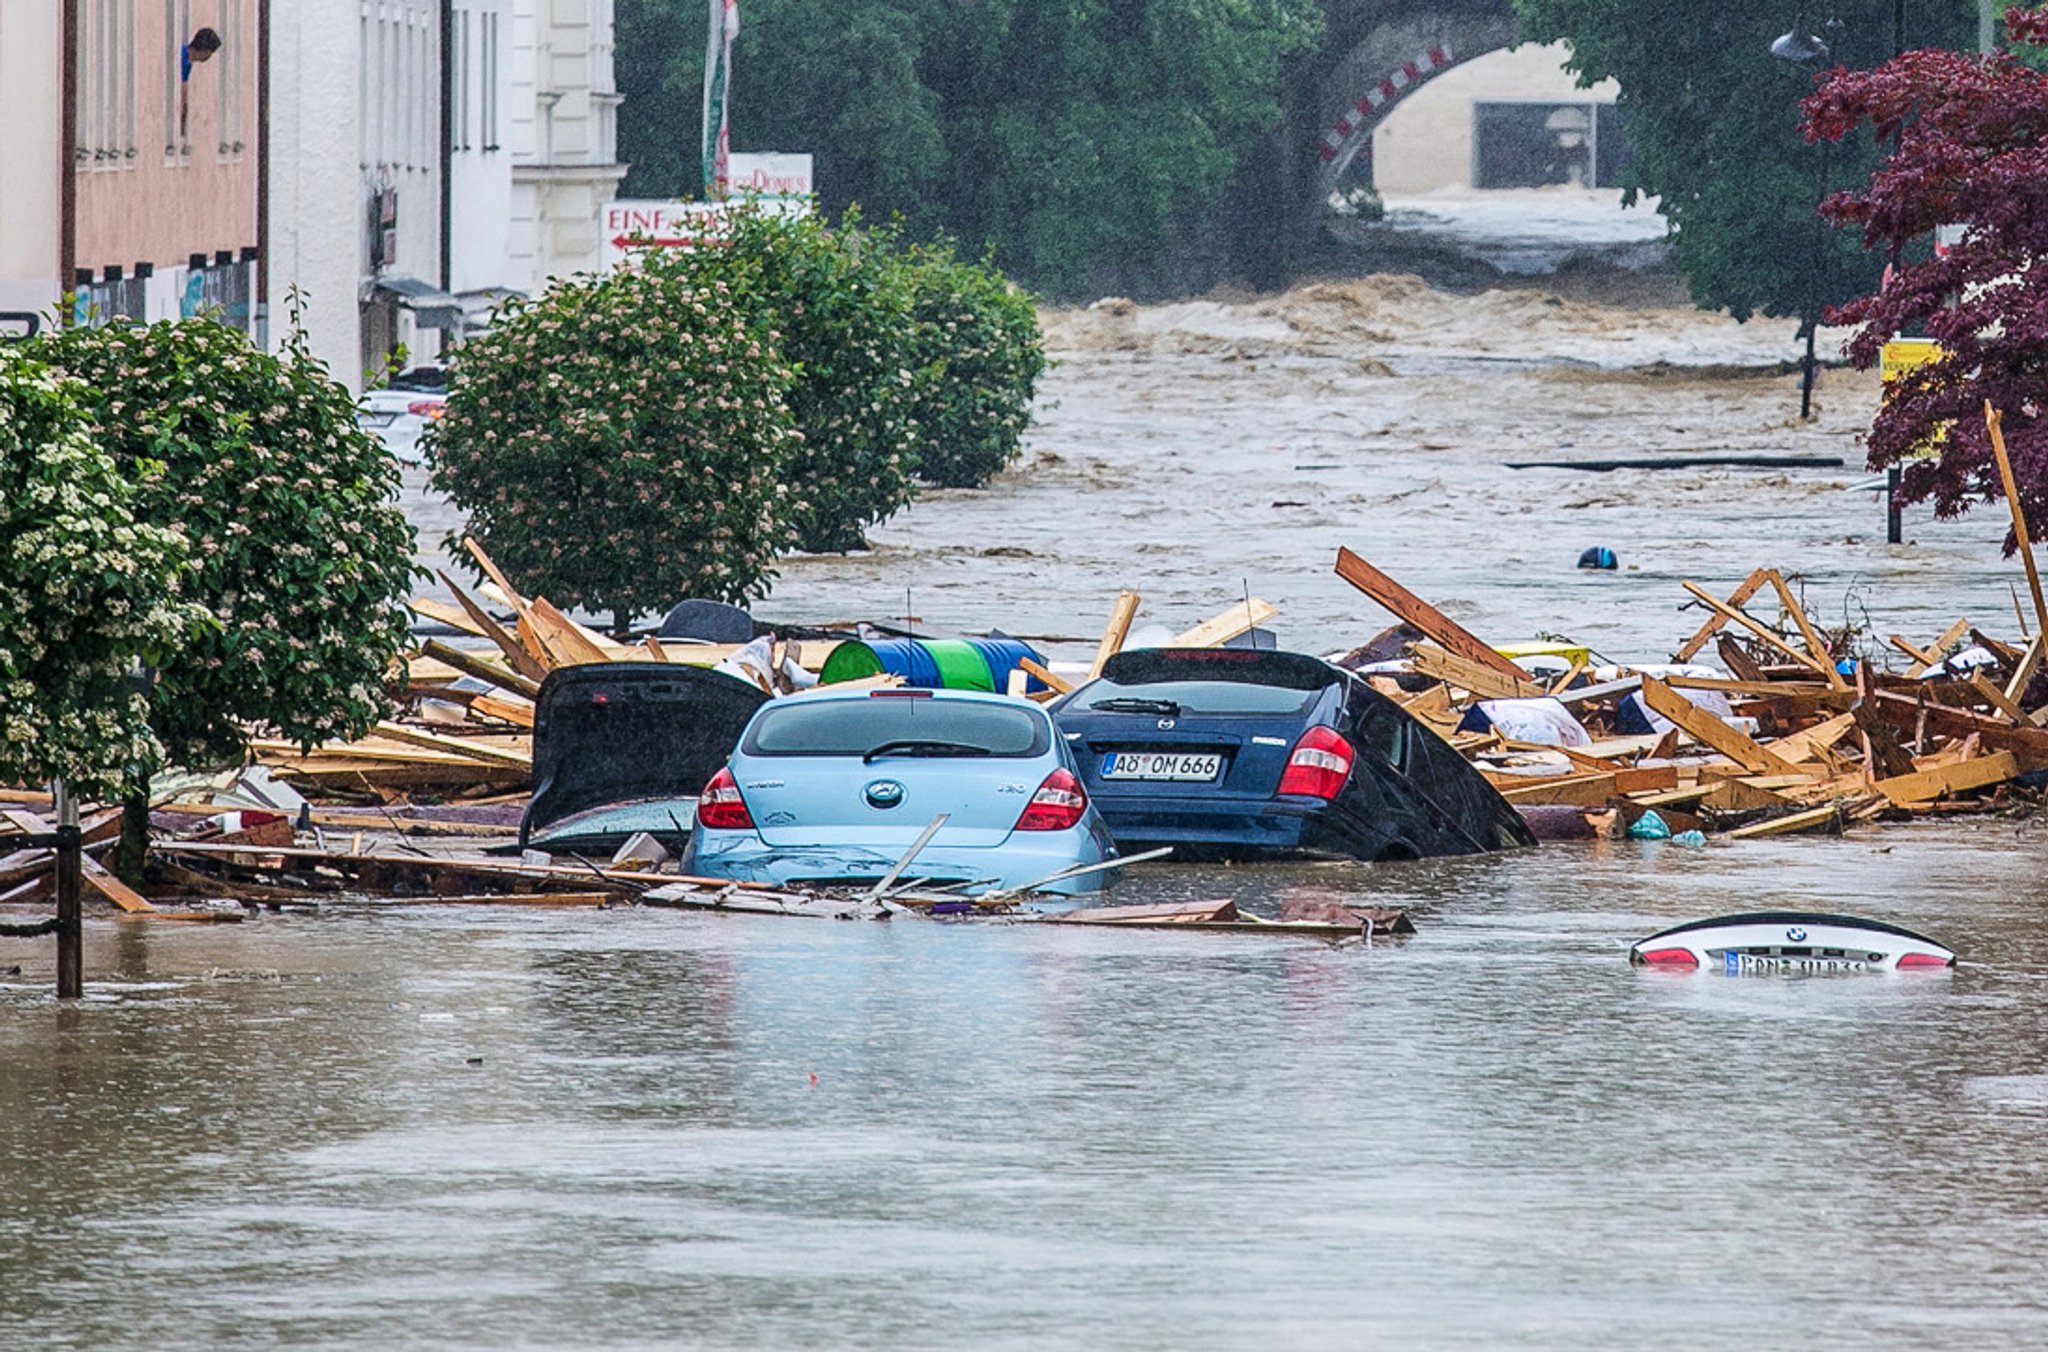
725 23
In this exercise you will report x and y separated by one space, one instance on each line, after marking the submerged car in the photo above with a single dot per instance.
625 747
1236 754
832 787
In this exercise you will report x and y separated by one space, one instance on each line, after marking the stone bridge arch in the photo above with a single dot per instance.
1397 52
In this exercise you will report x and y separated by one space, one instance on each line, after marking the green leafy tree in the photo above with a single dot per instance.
979 355
87 593
619 443
840 301
1088 141
301 555
1714 134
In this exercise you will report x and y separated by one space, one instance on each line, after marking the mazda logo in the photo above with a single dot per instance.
883 793
1165 723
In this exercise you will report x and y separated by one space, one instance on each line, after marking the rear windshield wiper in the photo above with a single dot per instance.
1131 704
915 746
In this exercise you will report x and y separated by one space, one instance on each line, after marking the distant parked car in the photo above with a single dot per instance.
1226 753
831 787
400 412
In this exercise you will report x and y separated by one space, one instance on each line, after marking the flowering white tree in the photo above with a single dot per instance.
86 593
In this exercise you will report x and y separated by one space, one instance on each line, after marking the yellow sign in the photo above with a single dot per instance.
1909 354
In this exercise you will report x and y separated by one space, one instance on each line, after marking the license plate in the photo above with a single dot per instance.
1195 767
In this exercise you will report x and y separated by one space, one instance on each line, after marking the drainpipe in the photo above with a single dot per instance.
447 147
67 171
259 302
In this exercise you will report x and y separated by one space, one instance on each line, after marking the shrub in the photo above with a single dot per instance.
300 553
841 301
979 356
87 592
619 443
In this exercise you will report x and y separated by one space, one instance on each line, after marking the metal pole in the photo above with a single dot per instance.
70 932
1987 33
1892 531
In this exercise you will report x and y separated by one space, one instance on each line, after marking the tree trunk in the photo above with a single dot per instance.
129 854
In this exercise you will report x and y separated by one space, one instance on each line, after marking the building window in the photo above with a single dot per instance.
104 134
489 88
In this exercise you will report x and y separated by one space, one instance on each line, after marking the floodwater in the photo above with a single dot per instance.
519 1128
476 1128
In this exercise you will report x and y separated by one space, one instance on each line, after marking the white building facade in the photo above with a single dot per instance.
564 131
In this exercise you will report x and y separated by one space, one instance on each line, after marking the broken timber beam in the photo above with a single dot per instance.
1806 631
1749 587
1483 681
1924 786
1412 609
1742 618
1241 618
1710 731
1120 616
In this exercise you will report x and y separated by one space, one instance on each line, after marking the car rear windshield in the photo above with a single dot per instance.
1214 681
912 726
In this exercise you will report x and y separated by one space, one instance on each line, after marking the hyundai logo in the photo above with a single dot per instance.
883 793
1796 935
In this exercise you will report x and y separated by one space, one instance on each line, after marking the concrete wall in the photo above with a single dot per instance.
318 215
157 183
30 163
1426 143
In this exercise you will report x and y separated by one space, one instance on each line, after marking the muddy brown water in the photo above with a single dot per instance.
477 1128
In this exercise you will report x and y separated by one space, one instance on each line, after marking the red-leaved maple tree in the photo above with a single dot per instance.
1969 151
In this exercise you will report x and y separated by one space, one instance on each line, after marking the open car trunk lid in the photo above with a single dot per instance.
621 732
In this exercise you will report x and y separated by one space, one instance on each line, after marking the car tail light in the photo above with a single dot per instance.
721 808
1057 805
426 408
1922 962
1319 766
1669 957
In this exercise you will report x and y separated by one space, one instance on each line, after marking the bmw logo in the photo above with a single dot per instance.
883 793
1796 935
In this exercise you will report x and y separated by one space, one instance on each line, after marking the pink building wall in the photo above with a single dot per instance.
145 193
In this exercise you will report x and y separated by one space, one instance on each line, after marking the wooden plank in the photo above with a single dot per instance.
519 713
1924 786
1564 791
1827 819
1170 912
568 643
1995 424
1749 587
455 617
1411 609
1770 639
1736 795
2023 675
1738 661
1753 689
95 876
1996 698
881 680
1483 681
1814 645
652 647
1807 743
1240 619
520 654
1060 685
1887 757
1941 647
481 667
1113 635
1710 731
1921 658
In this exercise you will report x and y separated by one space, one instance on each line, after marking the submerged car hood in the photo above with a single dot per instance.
619 732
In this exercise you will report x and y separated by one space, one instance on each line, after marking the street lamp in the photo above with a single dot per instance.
1801 48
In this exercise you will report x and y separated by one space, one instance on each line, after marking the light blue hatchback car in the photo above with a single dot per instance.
832 787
